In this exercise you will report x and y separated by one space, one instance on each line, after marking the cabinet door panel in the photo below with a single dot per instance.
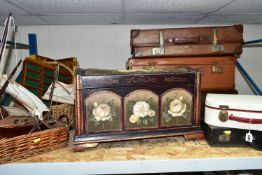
103 112
141 110
176 108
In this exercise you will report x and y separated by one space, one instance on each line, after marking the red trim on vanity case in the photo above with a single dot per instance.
245 120
238 110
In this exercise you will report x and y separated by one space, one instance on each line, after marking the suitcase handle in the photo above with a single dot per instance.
245 120
184 40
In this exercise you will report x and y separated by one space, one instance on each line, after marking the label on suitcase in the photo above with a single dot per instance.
215 40
217 73
234 111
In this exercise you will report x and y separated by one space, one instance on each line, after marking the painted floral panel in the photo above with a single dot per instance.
176 108
103 112
141 110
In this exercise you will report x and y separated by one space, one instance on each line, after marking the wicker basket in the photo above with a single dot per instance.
27 145
64 110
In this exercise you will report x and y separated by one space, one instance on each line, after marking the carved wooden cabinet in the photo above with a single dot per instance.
114 105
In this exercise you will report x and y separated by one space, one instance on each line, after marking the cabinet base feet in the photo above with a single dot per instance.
198 136
81 147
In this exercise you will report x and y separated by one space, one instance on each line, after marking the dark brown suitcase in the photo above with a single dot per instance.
222 136
196 41
115 105
217 73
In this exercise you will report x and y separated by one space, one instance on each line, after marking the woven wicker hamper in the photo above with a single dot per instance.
27 145
64 110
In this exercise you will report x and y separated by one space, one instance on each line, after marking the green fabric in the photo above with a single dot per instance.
48 80
33 67
45 87
33 75
34 92
31 83
49 73
63 78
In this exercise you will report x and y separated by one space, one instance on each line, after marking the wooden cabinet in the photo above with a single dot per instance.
114 105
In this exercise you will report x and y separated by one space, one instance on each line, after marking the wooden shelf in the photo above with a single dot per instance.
174 154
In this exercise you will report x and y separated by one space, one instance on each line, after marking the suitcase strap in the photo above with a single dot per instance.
159 50
245 120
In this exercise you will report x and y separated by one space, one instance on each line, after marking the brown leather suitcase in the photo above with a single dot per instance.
195 41
189 50
217 73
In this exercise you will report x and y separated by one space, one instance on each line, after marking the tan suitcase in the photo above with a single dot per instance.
217 73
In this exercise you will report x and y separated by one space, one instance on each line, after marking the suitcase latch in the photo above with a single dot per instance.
223 114
216 69
159 50
216 47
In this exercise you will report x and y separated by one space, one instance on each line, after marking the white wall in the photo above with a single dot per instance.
107 46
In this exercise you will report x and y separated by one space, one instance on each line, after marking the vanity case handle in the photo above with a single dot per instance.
244 120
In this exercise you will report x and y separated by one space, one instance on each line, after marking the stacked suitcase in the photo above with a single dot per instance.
211 50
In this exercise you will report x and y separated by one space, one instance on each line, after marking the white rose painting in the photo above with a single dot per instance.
103 111
141 108
141 111
102 114
176 108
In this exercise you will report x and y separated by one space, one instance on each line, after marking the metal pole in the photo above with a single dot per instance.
252 85
4 38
